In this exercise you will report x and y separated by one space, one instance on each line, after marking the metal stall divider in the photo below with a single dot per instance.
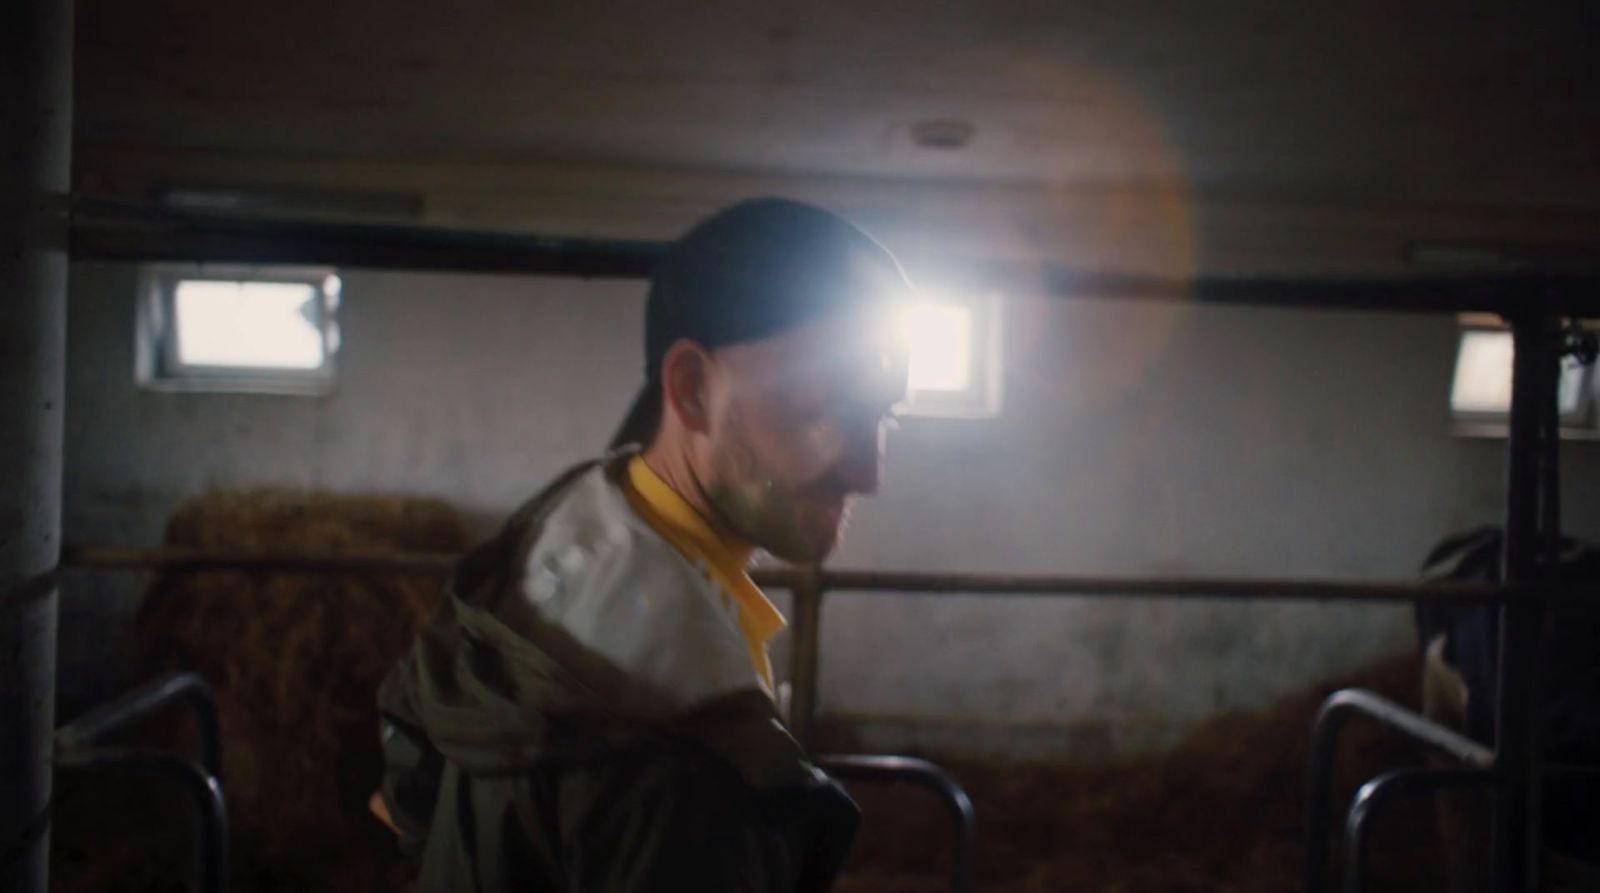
36 97
805 584
1515 767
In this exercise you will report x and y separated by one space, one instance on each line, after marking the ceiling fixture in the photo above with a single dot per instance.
942 133
1575 258
292 201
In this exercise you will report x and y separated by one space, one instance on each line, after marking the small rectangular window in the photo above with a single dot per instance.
1480 392
955 362
240 329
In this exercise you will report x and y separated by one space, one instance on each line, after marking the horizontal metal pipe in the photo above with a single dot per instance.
178 559
109 230
908 582
914 582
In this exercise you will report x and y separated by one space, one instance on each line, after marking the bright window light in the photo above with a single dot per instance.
940 338
238 328
264 325
954 364
1481 389
1483 373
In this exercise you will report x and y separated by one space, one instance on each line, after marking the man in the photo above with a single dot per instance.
591 708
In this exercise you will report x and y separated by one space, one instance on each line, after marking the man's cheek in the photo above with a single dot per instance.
817 458
819 442
787 459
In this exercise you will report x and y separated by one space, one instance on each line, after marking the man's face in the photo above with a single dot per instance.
795 427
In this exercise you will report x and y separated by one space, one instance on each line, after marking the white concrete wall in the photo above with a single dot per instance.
1136 439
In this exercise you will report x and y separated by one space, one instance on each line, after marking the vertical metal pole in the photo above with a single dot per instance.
1377 793
1319 791
35 142
807 626
1517 715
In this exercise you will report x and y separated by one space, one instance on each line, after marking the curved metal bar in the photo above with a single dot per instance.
203 788
1378 792
890 768
1338 707
97 722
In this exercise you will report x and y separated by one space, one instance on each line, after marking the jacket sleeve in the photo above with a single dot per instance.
678 819
412 766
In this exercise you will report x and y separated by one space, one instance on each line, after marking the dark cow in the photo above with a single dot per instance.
1460 646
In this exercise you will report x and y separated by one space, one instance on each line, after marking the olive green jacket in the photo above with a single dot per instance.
579 715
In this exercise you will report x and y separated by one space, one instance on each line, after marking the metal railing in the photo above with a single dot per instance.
810 586
1379 792
77 749
1338 708
880 768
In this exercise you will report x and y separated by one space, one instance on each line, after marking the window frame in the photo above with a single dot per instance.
1581 424
981 398
156 363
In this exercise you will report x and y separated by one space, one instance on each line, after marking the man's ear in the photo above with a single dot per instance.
685 374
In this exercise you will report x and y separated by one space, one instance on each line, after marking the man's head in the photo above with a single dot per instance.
772 371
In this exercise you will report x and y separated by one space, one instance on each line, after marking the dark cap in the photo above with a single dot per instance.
752 271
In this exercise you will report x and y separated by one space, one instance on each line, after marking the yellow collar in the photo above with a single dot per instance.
725 555
678 516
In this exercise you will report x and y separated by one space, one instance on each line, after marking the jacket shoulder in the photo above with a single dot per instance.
597 572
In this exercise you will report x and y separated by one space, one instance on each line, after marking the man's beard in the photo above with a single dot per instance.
801 525
787 524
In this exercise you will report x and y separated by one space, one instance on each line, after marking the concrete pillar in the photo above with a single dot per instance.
35 145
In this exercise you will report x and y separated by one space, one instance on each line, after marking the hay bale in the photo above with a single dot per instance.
295 659
1220 813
